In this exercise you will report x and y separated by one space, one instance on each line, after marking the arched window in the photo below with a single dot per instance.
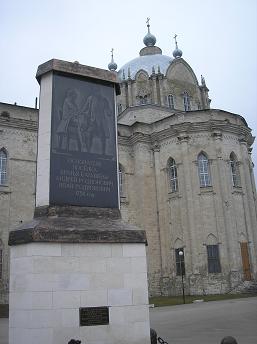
173 175
3 167
203 170
234 170
1 259
170 99
121 180
186 100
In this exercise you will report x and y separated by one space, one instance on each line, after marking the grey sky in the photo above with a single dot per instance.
218 39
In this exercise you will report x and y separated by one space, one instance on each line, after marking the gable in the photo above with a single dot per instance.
181 71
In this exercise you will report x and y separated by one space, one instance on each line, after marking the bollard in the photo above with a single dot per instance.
228 340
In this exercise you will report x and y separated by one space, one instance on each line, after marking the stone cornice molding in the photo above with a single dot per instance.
19 123
213 128
140 138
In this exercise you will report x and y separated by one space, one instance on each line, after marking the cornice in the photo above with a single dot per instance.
187 130
18 123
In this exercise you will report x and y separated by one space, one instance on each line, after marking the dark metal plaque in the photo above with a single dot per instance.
92 316
83 163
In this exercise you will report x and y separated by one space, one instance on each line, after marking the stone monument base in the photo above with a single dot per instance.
78 273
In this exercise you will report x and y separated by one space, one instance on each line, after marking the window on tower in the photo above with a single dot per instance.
170 100
203 170
172 175
121 180
234 168
3 167
213 259
180 261
186 100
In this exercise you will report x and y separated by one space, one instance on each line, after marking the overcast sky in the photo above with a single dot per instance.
218 39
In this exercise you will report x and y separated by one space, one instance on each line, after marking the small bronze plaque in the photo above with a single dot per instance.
92 316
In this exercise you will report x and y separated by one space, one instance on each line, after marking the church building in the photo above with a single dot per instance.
185 176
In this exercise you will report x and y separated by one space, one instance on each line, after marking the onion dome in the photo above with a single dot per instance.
149 39
177 52
150 59
112 66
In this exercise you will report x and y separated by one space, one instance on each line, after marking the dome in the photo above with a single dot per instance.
149 40
147 62
177 53
112 66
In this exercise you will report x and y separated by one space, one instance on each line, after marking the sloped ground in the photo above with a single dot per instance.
207 322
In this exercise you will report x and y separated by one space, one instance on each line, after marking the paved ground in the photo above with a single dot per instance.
207 322
200 323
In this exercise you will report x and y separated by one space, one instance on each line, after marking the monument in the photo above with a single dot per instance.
77 271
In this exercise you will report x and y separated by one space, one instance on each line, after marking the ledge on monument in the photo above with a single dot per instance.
77 211
77 225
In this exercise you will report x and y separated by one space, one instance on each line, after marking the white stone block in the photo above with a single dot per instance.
117 315
39 318
68 250
139 264
25 336
140 296
92 264
19 300
44 249
140 332
121 334
18 282
19 318
69 281
67 317
93 250
66 299
135 280
56 264
134 250
120 264
93 298
30 300
21 265
107 281
95 333
67 265
119 297
41 282
18 251
63 335
117 250
41 300
137 314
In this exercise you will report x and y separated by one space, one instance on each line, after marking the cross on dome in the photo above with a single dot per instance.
177 52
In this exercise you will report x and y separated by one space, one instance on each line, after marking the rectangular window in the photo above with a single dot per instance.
213 259
180 262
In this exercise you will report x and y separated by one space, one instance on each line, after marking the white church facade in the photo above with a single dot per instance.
185 171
